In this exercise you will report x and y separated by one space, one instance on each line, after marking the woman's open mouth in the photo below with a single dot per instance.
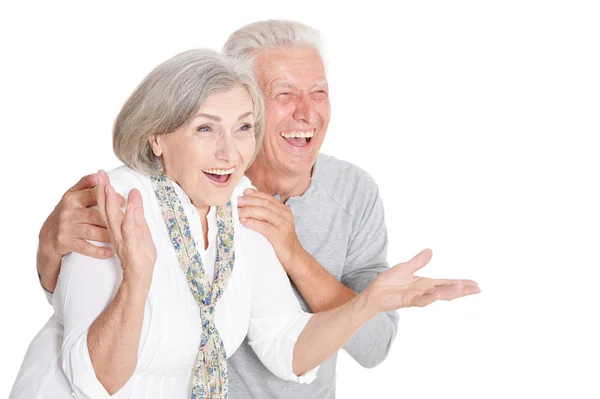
298 138
219 176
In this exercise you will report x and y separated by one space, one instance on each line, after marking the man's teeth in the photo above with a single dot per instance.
297 134
219 171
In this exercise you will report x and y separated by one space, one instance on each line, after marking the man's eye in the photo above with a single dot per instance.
204 129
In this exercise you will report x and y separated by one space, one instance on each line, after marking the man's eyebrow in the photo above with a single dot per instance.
281 84
289 85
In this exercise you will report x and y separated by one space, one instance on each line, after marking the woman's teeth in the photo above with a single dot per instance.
219 171
219 175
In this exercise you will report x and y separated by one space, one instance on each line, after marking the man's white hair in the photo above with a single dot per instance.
246 43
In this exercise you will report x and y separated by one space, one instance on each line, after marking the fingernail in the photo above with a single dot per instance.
243 220
240 199
473 290
108 253
249 191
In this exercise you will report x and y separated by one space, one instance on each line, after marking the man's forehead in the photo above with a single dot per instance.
291 66
283 55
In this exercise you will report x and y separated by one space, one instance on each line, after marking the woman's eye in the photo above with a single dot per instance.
244 130
204 129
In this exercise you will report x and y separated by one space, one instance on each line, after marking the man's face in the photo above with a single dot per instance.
297 108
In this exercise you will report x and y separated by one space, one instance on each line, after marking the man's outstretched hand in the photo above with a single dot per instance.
398 287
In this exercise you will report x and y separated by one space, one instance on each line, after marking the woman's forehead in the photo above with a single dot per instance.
236 101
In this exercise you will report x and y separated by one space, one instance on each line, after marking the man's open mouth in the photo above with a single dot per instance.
298 138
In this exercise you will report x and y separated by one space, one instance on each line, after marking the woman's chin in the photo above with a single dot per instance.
220 193
221 198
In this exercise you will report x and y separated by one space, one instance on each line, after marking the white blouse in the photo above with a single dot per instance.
258 302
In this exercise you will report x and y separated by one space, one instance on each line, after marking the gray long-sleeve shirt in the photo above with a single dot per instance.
340 222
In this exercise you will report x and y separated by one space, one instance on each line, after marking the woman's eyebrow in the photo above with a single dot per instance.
209 116
218 119
242 116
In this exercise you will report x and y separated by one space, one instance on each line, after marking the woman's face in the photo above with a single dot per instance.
208 155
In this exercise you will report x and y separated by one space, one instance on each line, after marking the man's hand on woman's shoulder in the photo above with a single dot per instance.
72 222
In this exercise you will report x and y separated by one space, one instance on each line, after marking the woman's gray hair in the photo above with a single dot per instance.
170 96
246 43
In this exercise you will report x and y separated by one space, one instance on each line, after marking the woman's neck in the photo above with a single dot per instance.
203 213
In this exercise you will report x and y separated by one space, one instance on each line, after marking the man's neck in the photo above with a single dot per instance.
277 182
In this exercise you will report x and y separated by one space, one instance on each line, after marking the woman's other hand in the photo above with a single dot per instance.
128 231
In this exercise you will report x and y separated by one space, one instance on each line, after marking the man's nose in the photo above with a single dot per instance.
305 110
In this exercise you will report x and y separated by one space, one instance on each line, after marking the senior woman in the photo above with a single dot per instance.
190 282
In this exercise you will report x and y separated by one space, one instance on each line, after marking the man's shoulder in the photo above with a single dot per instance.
345 176
350 185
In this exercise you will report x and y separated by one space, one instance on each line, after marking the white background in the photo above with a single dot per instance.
478 119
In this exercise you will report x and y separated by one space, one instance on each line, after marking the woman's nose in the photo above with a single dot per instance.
227 149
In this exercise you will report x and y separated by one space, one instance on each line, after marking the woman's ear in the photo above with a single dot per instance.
155 144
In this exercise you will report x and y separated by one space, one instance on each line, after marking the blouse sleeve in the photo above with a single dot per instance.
276 318
46 292
85 287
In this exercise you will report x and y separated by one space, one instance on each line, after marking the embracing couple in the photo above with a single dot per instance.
227 257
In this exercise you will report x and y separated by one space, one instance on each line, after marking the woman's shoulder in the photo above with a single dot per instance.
124 179
247 235
243 184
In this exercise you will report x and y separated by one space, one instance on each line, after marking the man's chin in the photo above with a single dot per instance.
299 165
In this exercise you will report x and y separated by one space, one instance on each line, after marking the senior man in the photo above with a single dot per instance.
323 216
